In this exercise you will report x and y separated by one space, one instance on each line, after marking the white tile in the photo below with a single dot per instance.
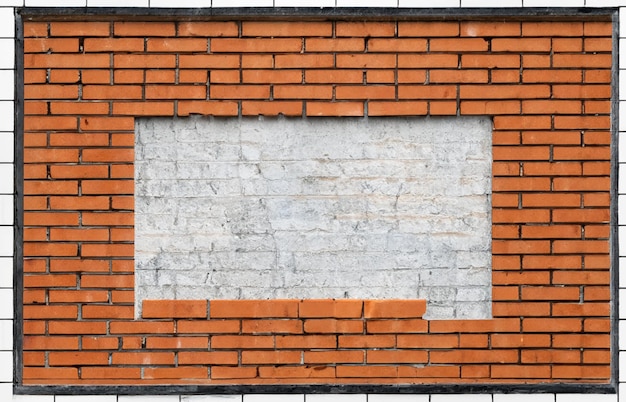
6 272
6 335
622 135
367 3
604 3
621 207
83 398
148 398
118 3
622 114
6 391
11 3
6 242
7 50
554 3
491 3
211 398
6 366
33 398
622 366
304 3
622 275
622 52
6 209
622 84
6 177
6 119
621 185
460 398
622 17
6 147
586 397
622 305
180 3
7 85
6 304
523 398
243 3
396 398
336 398
7 23
429 4
274 398
56 3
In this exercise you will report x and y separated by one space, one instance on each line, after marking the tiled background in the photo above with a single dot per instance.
7 90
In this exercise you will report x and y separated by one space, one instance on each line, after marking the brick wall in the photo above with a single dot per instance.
546 84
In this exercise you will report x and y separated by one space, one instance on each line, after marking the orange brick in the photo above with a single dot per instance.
304 60
394 308
239 91
50 343
178 45
242 341
551 200
342 356
79 234
45 373
233 372
303 92
215 108
143 358
551 293
144 28
552 262
271 326
76 328
428 61
306 341
46 312
271 76
365 92
161 76
520 309
517 372
552 232
80 28
520 340
296 372
78 358
397 356
271 108
427 29
115 373
174 309
335 45
397 326
177 92
333 326
257 45
282 29
474 356
107 312
212 28
143 108
208 61
552 76
186 342
428 341
212 326
271 357
113 44
67 60
177 373
366 341
335 109
208 358
367 29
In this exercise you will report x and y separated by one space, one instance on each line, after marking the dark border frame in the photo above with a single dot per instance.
282 13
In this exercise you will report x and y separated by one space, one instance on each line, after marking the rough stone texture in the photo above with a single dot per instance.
372 208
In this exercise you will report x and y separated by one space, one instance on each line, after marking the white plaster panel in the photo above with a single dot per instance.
6 242
397 398
523 398
119 3
316 208
211 398
243 3
336 398
274 398
6 178
6 147
6 272
7 23
6 110
460 398
7 85
6 209
367 3
586 398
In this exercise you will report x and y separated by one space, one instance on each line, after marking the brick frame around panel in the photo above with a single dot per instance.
118 271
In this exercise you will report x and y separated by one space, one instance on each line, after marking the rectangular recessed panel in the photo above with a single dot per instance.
375 208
